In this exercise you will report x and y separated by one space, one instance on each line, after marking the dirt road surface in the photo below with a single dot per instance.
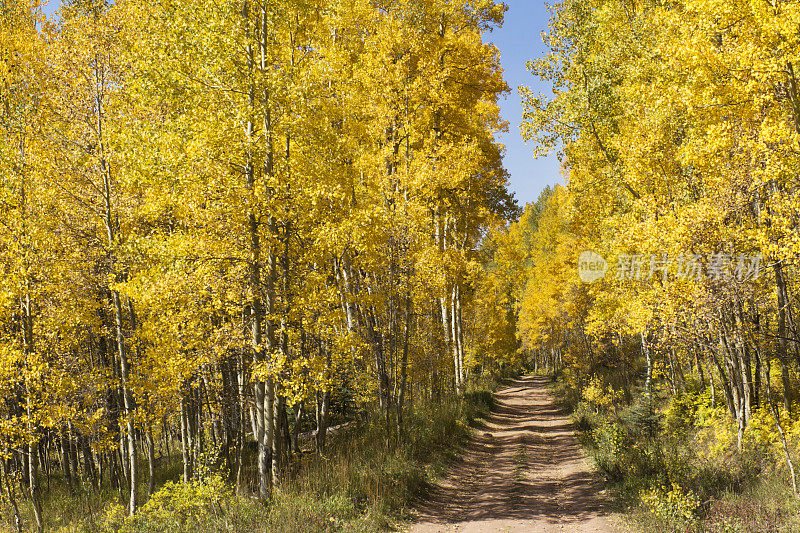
523 470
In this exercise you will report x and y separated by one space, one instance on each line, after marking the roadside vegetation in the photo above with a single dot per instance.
356 485
661 279
227 225
673 465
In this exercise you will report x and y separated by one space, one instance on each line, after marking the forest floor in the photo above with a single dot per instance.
523 470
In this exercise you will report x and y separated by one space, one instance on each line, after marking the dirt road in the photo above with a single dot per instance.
522 471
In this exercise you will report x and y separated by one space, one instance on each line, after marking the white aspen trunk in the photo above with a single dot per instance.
736 385
783 353
72 450
32 472
672 375
779 427
444 303
242 416
403 369
108 218
649 360
713 389
723 379
186 441
745 372
33 462
454 337
10 493
322 405
460 337
270 422
269 429
743 362
150 462
700 375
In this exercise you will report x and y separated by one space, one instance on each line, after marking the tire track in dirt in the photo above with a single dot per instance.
522 471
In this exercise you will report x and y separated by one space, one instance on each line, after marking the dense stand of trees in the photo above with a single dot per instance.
680 129
220 220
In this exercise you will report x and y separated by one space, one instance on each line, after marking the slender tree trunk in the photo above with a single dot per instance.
33 485
736 383
323 399
186 441
110 223
298 415
783 355
10 492
726 386
782 434
279 410
32 472
269 425
759 356
649 361
67 471
700 375
150 462
403 370
242 420
745 361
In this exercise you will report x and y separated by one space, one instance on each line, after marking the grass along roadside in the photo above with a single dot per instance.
358 485
672 465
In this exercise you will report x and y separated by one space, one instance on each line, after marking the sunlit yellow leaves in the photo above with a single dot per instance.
285 194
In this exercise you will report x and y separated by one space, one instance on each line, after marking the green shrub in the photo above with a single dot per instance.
675 462
177 507
681 415
674 505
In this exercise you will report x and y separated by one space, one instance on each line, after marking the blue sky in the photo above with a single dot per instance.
520 40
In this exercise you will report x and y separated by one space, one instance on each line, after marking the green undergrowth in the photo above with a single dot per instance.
673 465
359 485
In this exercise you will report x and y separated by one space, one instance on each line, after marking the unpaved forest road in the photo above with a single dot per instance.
522 471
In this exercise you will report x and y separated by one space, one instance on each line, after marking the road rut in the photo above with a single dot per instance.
523 470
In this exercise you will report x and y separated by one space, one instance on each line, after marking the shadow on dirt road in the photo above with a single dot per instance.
522 471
